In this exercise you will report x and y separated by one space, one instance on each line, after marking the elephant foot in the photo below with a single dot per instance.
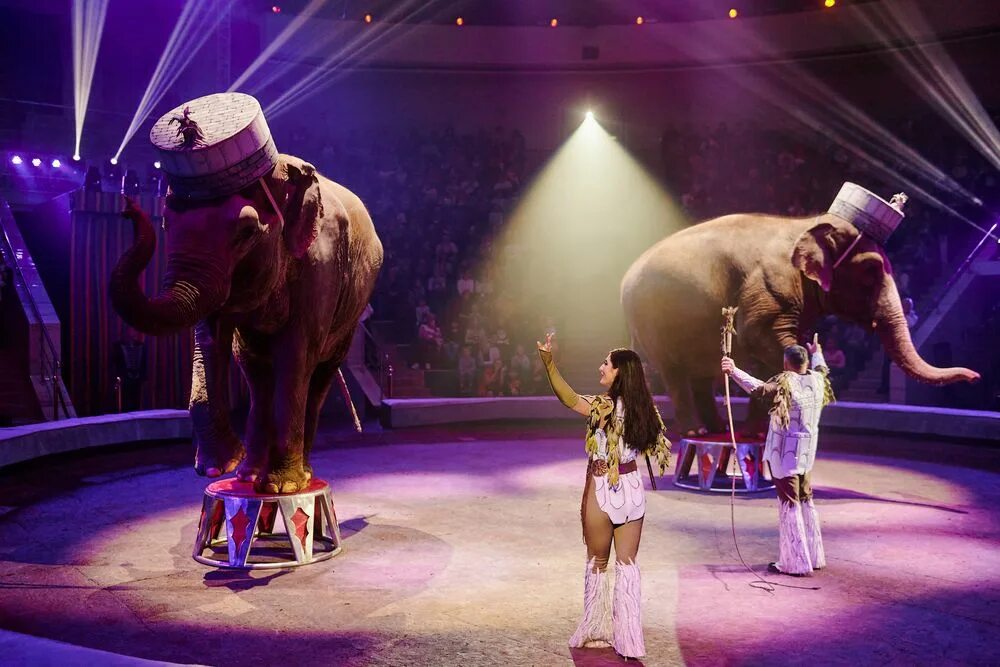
287 477
248 471
220 459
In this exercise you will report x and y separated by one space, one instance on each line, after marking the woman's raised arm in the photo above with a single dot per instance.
560 387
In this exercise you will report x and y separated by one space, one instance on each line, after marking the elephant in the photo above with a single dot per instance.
783 274
277 280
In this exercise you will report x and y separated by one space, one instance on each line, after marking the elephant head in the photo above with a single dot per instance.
855 279
254 231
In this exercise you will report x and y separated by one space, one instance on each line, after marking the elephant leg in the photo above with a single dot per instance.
218 449
679 389
261 433
284 472
704 402
319 387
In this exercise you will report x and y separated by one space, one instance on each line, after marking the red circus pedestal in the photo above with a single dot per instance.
244 524
712 453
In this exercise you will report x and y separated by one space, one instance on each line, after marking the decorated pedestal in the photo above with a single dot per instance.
243 525
712 454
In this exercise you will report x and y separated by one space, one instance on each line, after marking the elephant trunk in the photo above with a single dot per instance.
189 293
890 323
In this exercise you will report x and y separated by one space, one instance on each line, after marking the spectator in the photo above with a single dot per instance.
466 371
836 361
466 285
422 311
520 363
429 342
129 363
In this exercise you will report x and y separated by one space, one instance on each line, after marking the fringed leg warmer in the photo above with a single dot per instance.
595 627
793 550
814 536
628 640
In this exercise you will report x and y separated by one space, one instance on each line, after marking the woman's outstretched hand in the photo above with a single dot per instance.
547 345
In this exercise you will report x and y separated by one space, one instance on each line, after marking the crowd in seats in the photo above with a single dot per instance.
441 197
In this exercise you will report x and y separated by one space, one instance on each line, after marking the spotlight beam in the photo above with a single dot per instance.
935 74
828 113
198 20
331 68
279 41
88 18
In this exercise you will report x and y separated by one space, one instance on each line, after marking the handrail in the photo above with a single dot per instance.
51 372
939 295
377 362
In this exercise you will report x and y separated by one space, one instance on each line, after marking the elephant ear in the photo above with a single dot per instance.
813 254
304 205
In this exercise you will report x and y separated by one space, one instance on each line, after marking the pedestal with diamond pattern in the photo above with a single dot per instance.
245 525
712 454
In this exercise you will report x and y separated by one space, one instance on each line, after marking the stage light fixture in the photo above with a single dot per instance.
76 157
275 9
16 159
368 18
114 160
589 115
829 3
639 20
36 162
156 165
459 21
733 13
56 163
554 23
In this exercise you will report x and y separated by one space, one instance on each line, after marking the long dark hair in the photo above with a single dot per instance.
642 421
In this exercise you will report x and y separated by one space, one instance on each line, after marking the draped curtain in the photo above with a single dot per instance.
99 236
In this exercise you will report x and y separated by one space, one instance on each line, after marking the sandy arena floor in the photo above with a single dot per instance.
463 548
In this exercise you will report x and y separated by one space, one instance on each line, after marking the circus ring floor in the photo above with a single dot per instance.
463 548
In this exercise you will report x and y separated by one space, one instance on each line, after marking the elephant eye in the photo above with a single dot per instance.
244 235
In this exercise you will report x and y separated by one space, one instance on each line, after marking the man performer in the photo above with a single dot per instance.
796 395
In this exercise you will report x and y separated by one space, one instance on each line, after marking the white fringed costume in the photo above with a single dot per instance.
790 451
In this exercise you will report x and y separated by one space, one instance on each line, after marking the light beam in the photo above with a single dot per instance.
88 17
198 20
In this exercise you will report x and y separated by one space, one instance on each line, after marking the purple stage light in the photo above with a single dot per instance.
156 165
114 160
36 161
76 157
56 163
16 160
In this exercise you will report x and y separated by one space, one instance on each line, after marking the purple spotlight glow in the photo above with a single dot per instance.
76 157
36 161
56 163
156 165
16 160
114 160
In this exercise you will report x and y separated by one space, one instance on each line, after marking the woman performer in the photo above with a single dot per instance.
623 423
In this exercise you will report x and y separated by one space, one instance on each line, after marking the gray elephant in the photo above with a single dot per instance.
783 274
278 275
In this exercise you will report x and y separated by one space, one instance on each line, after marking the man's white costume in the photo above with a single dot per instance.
798 399
790 450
